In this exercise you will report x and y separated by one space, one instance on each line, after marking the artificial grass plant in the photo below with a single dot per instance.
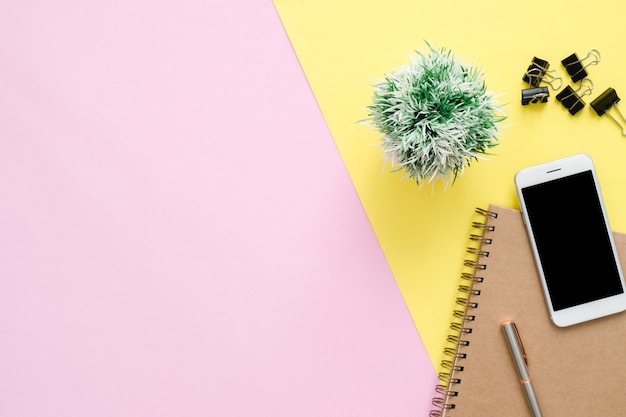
435 114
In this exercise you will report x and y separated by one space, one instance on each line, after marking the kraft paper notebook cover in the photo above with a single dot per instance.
576 371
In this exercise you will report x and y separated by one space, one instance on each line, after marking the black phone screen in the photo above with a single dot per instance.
572 240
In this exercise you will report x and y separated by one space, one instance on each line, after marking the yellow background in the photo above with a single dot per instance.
344 46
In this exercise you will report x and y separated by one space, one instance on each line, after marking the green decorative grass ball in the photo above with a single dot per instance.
436 116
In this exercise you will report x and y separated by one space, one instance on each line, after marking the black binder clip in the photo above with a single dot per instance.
535 95
571 99
538 71
575 67
605 102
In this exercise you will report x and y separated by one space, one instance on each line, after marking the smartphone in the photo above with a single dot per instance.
571 240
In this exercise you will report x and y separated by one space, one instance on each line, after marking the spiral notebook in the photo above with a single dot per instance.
576 371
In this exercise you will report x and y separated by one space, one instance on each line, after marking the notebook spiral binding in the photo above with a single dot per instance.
461 325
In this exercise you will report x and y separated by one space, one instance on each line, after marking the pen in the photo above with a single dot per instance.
519 358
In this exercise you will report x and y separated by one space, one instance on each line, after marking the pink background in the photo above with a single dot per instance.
178 234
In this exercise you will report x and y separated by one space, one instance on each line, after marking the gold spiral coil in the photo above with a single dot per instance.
463 318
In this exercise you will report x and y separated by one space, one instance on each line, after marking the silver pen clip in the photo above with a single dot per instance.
519 341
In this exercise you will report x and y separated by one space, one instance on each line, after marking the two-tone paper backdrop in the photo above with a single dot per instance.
345 46
178 234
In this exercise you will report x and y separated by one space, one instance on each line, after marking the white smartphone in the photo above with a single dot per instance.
571 239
